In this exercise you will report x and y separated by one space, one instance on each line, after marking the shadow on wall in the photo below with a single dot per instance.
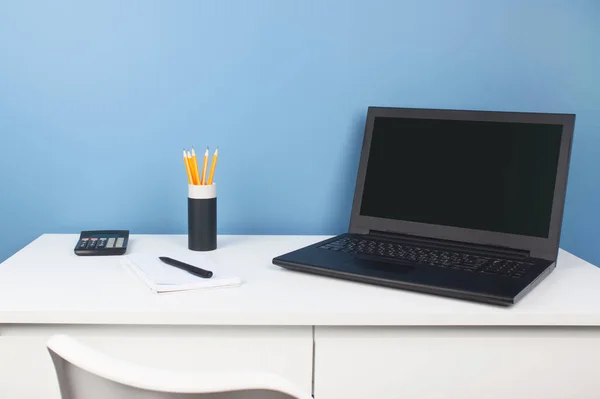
348 171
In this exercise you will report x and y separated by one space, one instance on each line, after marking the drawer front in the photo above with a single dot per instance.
455 362
26 370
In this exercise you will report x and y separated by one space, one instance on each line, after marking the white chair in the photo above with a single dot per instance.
84 373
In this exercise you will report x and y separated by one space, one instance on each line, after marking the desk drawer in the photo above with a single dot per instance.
456 362
26 370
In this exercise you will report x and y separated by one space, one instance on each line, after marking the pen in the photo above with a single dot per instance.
196 271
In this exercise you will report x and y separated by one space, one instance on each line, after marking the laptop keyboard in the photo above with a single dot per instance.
431 257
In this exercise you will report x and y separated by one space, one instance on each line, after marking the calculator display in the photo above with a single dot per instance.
96 235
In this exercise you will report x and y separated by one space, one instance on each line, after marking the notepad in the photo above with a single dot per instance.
161 278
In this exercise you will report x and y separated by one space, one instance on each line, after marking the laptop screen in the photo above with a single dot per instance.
492 176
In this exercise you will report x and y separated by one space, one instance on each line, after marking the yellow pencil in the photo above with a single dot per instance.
213 166
205 166
191 163
187 168
194 165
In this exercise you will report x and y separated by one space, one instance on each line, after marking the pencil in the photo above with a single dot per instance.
187 168
205 166
213 166
194 166
191 163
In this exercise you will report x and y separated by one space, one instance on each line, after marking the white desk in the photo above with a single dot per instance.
342 339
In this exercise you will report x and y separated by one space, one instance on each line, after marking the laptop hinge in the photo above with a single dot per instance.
452 245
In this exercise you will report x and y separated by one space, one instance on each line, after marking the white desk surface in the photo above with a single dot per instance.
46 283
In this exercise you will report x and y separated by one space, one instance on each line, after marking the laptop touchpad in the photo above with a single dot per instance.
390 267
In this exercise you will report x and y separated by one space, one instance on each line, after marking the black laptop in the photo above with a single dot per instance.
465 204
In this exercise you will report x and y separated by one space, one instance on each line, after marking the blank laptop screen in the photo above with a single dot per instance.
493 176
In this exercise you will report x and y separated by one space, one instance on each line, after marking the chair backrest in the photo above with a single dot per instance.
84 373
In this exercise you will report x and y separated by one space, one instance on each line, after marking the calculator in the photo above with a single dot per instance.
102 242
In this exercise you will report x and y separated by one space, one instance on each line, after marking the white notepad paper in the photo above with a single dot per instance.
161 277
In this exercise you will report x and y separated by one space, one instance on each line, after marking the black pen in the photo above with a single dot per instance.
196 271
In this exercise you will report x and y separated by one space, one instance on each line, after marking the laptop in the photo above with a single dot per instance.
456 203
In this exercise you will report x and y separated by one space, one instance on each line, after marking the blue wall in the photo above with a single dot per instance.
97 99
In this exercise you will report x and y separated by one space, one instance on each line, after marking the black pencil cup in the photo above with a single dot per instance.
202 217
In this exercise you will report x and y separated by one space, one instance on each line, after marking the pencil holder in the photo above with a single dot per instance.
202 217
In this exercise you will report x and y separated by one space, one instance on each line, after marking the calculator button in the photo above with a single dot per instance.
101 243
119 243
93 243
110 243
83 243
